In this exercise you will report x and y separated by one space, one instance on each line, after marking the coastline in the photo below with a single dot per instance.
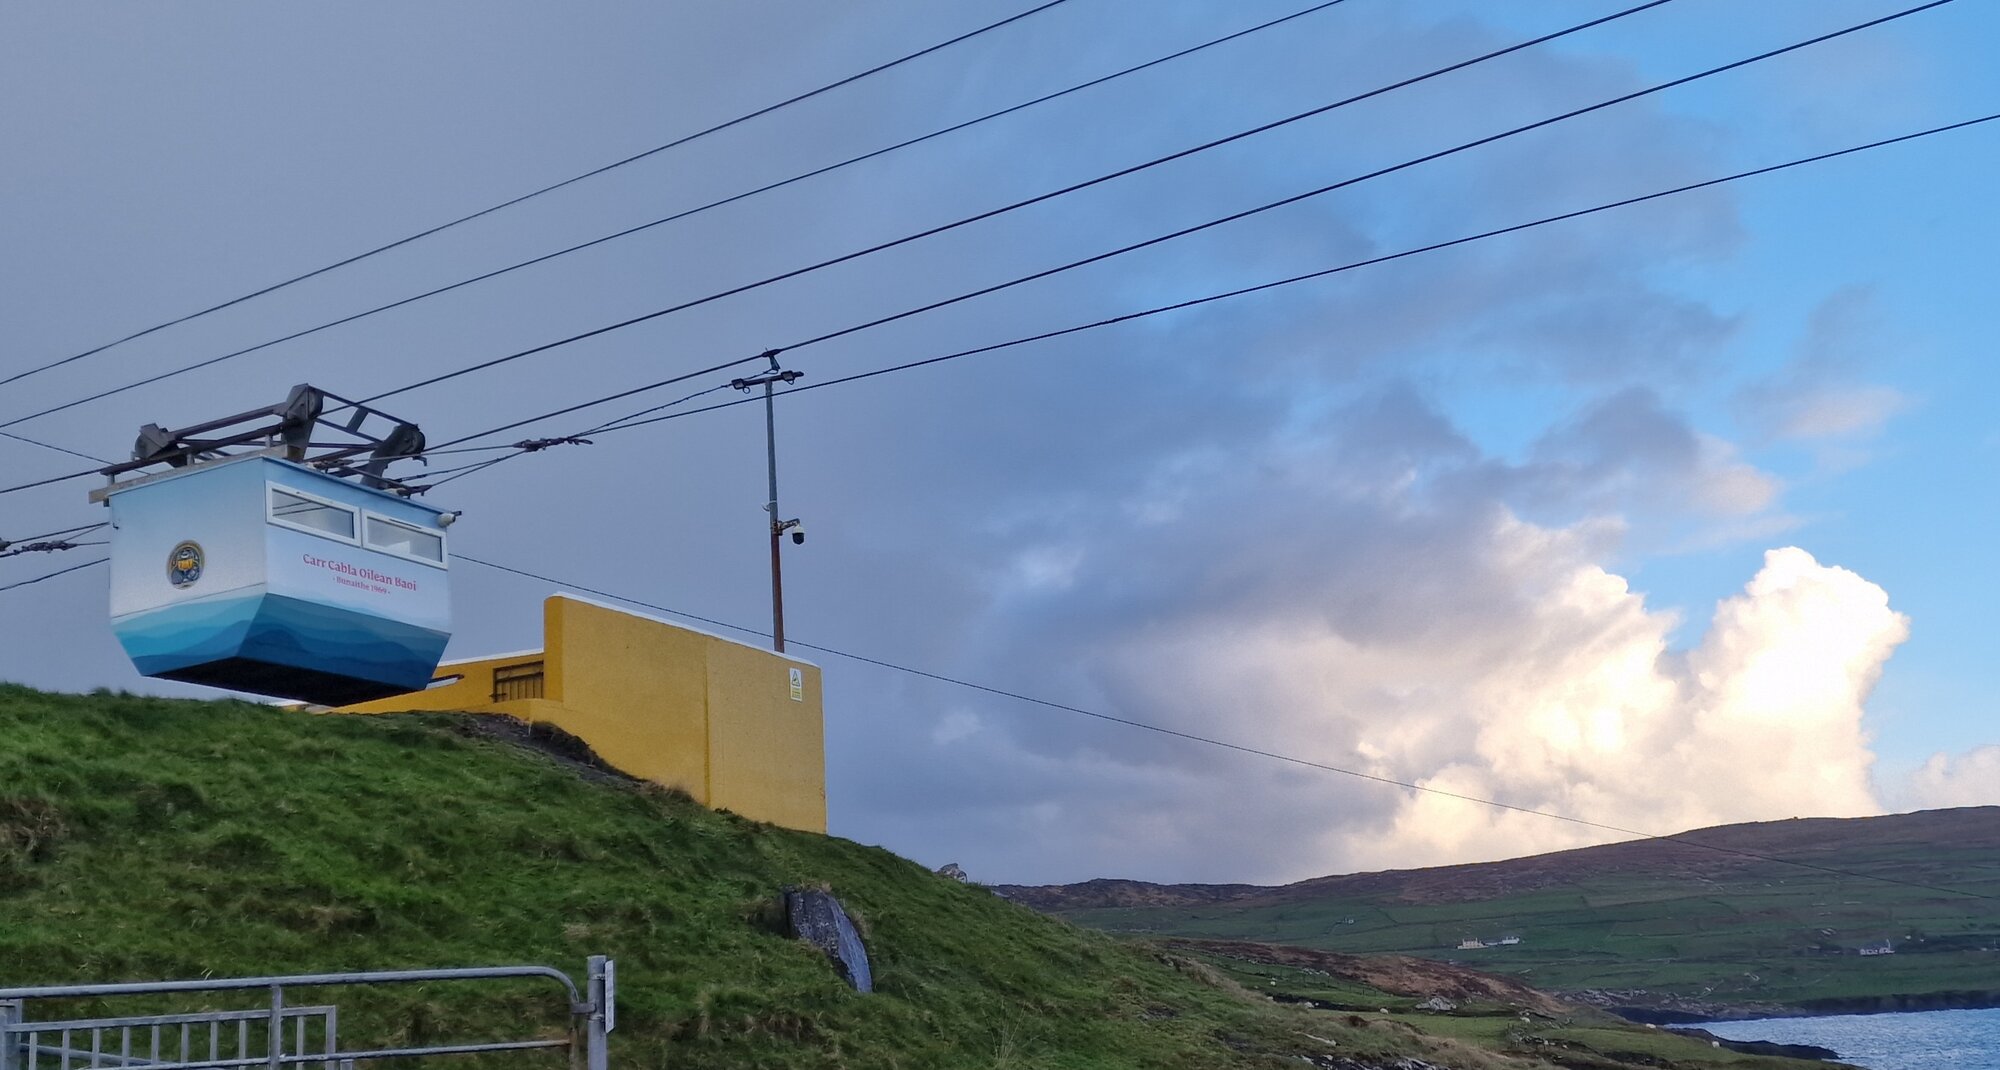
1649 1008
1945 1039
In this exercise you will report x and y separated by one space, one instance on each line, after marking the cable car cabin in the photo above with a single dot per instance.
257 574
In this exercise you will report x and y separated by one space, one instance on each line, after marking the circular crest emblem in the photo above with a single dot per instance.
185 564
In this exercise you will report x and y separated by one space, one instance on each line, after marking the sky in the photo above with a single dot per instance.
1664 517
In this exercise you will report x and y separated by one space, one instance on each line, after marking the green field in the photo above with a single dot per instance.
145 839
1750 932
1583 1040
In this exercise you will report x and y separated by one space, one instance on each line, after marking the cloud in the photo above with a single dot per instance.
1365 598
1629 449
1969 779
1817 396
1837 411
1761 720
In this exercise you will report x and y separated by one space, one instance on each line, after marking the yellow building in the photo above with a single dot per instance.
738 727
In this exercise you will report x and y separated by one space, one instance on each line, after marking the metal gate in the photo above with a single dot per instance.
276 1036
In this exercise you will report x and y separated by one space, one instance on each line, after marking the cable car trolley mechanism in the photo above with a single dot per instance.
245 555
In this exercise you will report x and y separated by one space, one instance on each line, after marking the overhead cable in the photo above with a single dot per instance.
522 449
48 540
52 575
608 425
684 214
1232 217
48 546
635 420
1240 748
77 530
1358 179
683 307
50 480
624 423
1017 205
52 446
712 369
634 158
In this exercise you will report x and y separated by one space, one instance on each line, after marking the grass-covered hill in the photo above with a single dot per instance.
145 839
1653 923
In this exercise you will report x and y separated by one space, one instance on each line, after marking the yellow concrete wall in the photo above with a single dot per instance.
634 689
682 708
767 753
472 691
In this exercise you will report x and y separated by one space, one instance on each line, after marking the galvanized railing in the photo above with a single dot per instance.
62 1045
174 1041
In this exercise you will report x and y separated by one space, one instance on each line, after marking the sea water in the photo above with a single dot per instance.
1922 1040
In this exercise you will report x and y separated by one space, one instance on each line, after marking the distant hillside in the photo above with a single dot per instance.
1396 975
1691 856
1665 923
148 839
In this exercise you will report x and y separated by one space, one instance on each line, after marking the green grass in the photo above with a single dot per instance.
1584 1040
150 839
1766 935
1336 992
145 839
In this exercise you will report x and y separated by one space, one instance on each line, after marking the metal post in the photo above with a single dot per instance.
602 995
10 1014
777 526
276 1042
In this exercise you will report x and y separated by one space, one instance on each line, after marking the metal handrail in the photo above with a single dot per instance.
78 1055
591 1019
140 988
153 1029
164 1020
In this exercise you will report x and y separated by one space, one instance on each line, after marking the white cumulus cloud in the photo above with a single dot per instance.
1762 720
1969 779
1374 592
1411 627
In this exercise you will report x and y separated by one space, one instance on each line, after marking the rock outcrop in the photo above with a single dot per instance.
820 920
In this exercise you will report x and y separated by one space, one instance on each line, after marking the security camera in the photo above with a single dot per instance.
798 534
